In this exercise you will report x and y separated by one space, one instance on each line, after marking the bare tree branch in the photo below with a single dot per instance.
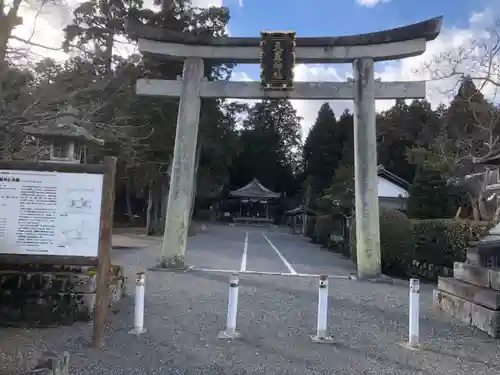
30 42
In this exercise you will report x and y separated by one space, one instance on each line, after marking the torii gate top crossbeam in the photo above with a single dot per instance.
390 44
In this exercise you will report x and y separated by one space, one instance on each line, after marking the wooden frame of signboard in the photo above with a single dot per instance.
102 261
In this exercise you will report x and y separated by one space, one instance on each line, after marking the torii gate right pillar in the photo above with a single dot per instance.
365 171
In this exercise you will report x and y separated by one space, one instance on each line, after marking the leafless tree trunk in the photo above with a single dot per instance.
8 21
149 210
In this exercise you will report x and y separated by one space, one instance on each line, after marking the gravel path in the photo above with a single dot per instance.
186 311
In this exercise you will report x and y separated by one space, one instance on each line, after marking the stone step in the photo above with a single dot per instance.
470 313
482 296
494 276
471 274
477 275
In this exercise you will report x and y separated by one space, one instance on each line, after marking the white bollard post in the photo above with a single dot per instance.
414 314
321 334
140 283
232 310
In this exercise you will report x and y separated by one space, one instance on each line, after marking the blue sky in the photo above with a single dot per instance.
463 21
341 17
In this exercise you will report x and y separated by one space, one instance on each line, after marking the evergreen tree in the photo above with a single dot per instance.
341 191
400 128
268 145
471 126
322 150
430 195
466 109
346 138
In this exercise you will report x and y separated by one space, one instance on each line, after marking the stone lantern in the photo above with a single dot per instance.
63 140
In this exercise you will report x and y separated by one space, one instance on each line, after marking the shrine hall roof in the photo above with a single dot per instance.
301 210
254 189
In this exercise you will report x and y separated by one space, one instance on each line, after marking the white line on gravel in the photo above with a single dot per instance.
283 259
250 272
244 256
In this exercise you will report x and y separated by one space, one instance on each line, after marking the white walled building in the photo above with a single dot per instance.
392 190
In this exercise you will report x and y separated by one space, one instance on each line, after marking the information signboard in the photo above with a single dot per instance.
277 59
50 213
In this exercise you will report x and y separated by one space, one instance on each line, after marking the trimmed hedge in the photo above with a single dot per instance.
396 245
423 248
441 242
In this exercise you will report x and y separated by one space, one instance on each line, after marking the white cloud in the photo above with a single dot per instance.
450 41
43 22
308 109
215 3
242 77
371 3
206 3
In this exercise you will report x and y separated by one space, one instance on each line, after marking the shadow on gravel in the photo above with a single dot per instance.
467 358
251 280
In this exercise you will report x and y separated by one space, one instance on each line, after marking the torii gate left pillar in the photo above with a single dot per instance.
182 178
360 50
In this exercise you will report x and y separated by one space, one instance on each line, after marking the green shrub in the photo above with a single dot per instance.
441 242
322 229
396 245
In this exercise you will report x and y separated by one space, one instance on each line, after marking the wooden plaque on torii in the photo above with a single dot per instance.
277 60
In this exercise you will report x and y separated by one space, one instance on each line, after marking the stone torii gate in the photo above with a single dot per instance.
360 50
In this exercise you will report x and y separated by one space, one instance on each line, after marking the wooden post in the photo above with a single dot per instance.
104 253
365 171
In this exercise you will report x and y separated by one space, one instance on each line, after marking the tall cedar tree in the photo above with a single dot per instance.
322 150
269 141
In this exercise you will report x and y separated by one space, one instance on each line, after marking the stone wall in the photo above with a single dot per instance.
37 295
472 295
51 364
